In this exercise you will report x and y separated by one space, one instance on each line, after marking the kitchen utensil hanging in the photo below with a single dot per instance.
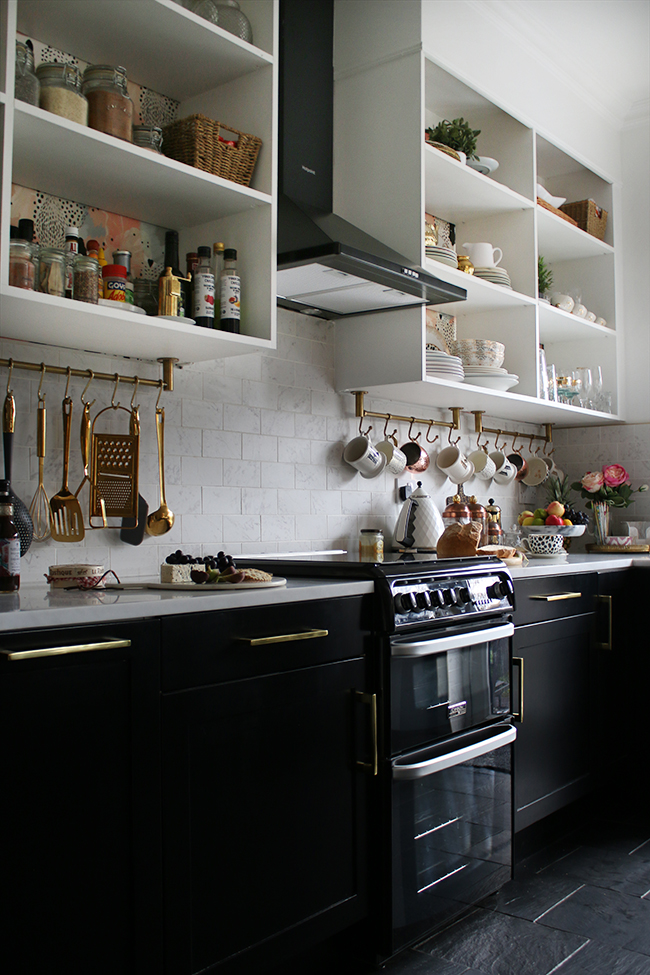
133 529
114 470
39 509
67 523
160 521
22 517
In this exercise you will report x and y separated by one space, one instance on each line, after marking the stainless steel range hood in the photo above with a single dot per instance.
327 267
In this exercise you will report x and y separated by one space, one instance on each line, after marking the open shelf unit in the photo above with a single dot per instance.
411 178
166 48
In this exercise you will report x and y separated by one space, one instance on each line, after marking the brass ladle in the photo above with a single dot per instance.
161 521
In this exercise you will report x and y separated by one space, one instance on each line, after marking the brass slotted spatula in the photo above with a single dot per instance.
67 519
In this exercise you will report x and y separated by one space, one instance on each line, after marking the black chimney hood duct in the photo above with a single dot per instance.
327 267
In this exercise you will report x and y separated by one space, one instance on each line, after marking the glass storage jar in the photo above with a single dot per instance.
85 279
27 85
22 271
51 275
61 92
371 545
148 137
110 108
145 295
225 14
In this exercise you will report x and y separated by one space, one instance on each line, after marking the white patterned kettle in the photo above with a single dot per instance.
419 524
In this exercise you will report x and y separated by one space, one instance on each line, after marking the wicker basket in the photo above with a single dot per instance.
558 213
588 216
195 141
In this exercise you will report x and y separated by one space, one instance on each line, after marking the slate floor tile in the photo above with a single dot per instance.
532 897
603 867
497 944
415 962
599 959
606 916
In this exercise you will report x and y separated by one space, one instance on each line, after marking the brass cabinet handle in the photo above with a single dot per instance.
371 699
518 716
55 651
284 638
554 597
609 645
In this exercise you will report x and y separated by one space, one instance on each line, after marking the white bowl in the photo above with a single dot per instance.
570 531
478 352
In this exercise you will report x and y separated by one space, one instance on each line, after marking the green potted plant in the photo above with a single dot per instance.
544 279
457 135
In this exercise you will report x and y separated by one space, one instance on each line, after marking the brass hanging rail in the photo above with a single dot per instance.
479 429
167 370
361 412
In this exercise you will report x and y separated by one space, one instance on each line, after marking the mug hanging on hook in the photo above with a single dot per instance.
517 460
537 468
395 458
417 459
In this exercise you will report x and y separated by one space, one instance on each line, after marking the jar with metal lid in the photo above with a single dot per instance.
456 513
26 86
110 108
145 295
225 14
148 137
479 514
114 276
61 92
86 277
124 258
371 545
52 270
22 270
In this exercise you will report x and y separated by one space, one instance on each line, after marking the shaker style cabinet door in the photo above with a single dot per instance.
263 816
80 887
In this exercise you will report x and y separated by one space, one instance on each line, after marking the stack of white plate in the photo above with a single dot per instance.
492 377
497 275
446 255
444 366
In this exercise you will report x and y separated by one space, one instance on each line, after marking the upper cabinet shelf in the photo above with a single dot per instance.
561 241
458 193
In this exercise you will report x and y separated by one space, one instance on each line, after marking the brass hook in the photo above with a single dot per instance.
551 451
113 403
161 386
387 435
514 441
496 441
11 369
428 439
67 384
135 390
41 395
530 443
410 433
85 390
482 446
451 442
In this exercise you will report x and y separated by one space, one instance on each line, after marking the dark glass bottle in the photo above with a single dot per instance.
203 281
9 543
171 260
230 293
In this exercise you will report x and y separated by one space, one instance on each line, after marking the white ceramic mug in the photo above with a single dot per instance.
537 472
453 462
505 471
484 466
544 544
395 458
483 255
364 456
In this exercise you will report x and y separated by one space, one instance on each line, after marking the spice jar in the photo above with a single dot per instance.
51 274
86 276
27 86
371 545
145 295
148 137
114 276
110 108
22 271
61 92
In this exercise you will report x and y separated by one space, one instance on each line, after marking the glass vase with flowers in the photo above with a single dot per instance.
605 489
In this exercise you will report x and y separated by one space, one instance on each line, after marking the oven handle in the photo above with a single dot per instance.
453 641
418 770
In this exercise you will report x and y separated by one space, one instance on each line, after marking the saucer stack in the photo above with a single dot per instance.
492 377
497 275
444 366
446 255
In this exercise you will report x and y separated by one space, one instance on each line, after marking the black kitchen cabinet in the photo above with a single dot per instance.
81 865
264 805
554 688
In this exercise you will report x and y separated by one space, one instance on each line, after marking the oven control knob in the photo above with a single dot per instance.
437 598
500 589
451 596
424 600
405 602
463 595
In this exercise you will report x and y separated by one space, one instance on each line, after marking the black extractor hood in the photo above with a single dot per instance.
327 267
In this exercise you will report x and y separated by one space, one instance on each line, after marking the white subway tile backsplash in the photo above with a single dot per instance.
200 530
241 528
277 424
222 444
311 477
259 501
255 447
277 475
201 470
241 473
291 501
222 500
277 528
244 419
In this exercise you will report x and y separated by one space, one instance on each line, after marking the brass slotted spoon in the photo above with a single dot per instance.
39 509
67 524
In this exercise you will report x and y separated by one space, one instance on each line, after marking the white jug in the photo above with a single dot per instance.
483 255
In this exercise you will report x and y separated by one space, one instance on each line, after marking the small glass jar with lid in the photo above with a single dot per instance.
27 86
22 269
371 545
61 92
51 274
456 512
479 514
85 279
148 137
226 14
145 294
110 109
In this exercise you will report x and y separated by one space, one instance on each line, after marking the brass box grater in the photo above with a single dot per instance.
114 473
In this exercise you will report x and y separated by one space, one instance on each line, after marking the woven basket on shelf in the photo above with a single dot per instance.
195 141
588 216
558 213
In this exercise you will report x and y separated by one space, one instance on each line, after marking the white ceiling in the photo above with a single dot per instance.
600 47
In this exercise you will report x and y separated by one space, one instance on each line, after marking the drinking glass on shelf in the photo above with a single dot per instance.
551 383
584 375
597 388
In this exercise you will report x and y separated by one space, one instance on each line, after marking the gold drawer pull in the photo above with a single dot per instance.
285 638
558 596
55 651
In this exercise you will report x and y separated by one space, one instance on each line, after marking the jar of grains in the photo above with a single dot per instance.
61 92
51 274
148 137
110 108
86 277
371 545
21 265
27 85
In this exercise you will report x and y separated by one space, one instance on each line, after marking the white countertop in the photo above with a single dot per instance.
536 567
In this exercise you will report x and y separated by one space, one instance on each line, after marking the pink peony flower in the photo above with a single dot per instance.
593 481
614 475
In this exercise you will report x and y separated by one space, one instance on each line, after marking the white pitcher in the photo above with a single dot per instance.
483 255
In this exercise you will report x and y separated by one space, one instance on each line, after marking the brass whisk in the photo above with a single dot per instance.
39 509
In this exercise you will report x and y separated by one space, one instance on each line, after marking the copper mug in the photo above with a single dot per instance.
520 463
417 459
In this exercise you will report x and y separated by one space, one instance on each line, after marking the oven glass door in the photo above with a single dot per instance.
451 828
447 682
